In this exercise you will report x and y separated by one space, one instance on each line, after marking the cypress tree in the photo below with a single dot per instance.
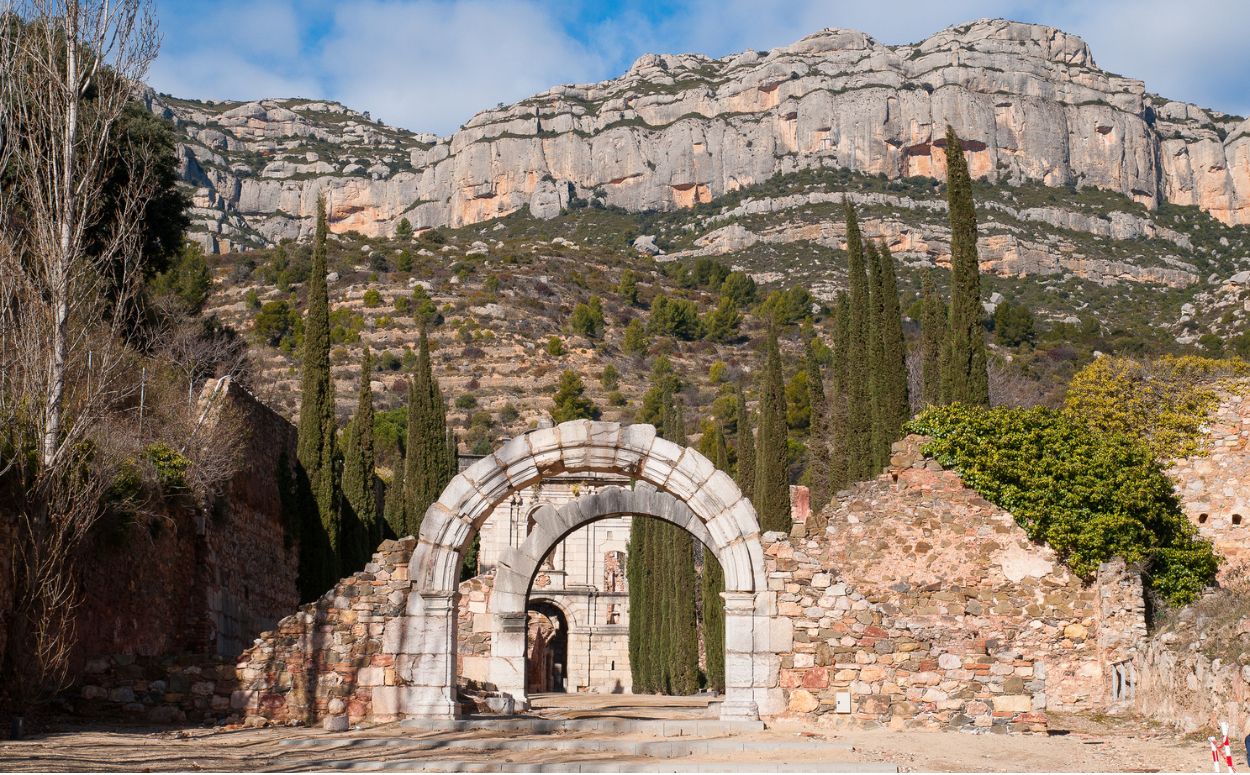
430 451
679 634
360 502
932 334
859 414
818 437
964 376
893 402
317 427
839 422
396 517
876 356
712 580
745 446
772 487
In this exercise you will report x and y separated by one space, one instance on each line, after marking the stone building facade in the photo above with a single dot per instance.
579 598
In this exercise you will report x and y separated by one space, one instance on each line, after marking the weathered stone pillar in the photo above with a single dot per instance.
426 662
507 655
739 704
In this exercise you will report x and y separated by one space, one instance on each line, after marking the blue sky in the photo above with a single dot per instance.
428 65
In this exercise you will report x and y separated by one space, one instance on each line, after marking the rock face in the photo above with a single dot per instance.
678 130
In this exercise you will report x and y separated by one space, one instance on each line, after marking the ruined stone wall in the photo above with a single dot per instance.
325 661
250 561
921 602
1214 487
184 580
1177 684
473 628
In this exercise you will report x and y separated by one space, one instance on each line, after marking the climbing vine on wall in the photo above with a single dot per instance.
1090 495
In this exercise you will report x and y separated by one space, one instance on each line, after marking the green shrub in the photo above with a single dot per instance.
555 346
170 466
1090 495
1161 403
402 304
636 341
610 378
373 298
466 401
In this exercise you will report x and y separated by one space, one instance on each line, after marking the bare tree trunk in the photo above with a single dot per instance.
68 273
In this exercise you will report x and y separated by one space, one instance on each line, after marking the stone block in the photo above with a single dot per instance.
1013 703
802 701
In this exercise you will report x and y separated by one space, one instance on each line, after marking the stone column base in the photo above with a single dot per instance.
739 710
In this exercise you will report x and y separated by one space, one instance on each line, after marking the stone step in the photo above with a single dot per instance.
654 765
696 727
663 749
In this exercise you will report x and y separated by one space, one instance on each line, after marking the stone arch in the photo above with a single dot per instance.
711 504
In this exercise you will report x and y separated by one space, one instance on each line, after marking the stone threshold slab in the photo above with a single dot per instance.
457 765
656 727
649 748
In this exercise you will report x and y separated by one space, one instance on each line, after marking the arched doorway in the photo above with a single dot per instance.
547 636
685 489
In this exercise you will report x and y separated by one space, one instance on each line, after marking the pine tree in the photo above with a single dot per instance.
818 435
712 580
965 379
430 453
932 335
317 428
364 531
892 401
744 445
859 414
772 487
570 400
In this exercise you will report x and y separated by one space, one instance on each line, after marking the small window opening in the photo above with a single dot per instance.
1236 519
1202 519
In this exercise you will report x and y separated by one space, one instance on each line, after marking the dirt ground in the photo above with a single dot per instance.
1075 744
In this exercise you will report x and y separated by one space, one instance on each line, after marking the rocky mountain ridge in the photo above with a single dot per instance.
678 130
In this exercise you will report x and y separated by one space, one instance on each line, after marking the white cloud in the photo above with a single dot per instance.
240 50
431 65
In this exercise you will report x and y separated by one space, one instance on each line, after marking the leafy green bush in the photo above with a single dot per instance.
588 320
277 325
1090 495
555 346
171 467
372 298
1161 403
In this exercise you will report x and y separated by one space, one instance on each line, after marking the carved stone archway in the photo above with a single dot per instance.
425 638
516 570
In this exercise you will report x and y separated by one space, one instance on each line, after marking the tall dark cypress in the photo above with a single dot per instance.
772 486
680 625
932 335
744 446
362 524
876 357
317 426
964 376
839 420
819 432
893 402
712 580
430 462
393 507
859 457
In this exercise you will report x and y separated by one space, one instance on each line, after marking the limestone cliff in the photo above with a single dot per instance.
676 130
